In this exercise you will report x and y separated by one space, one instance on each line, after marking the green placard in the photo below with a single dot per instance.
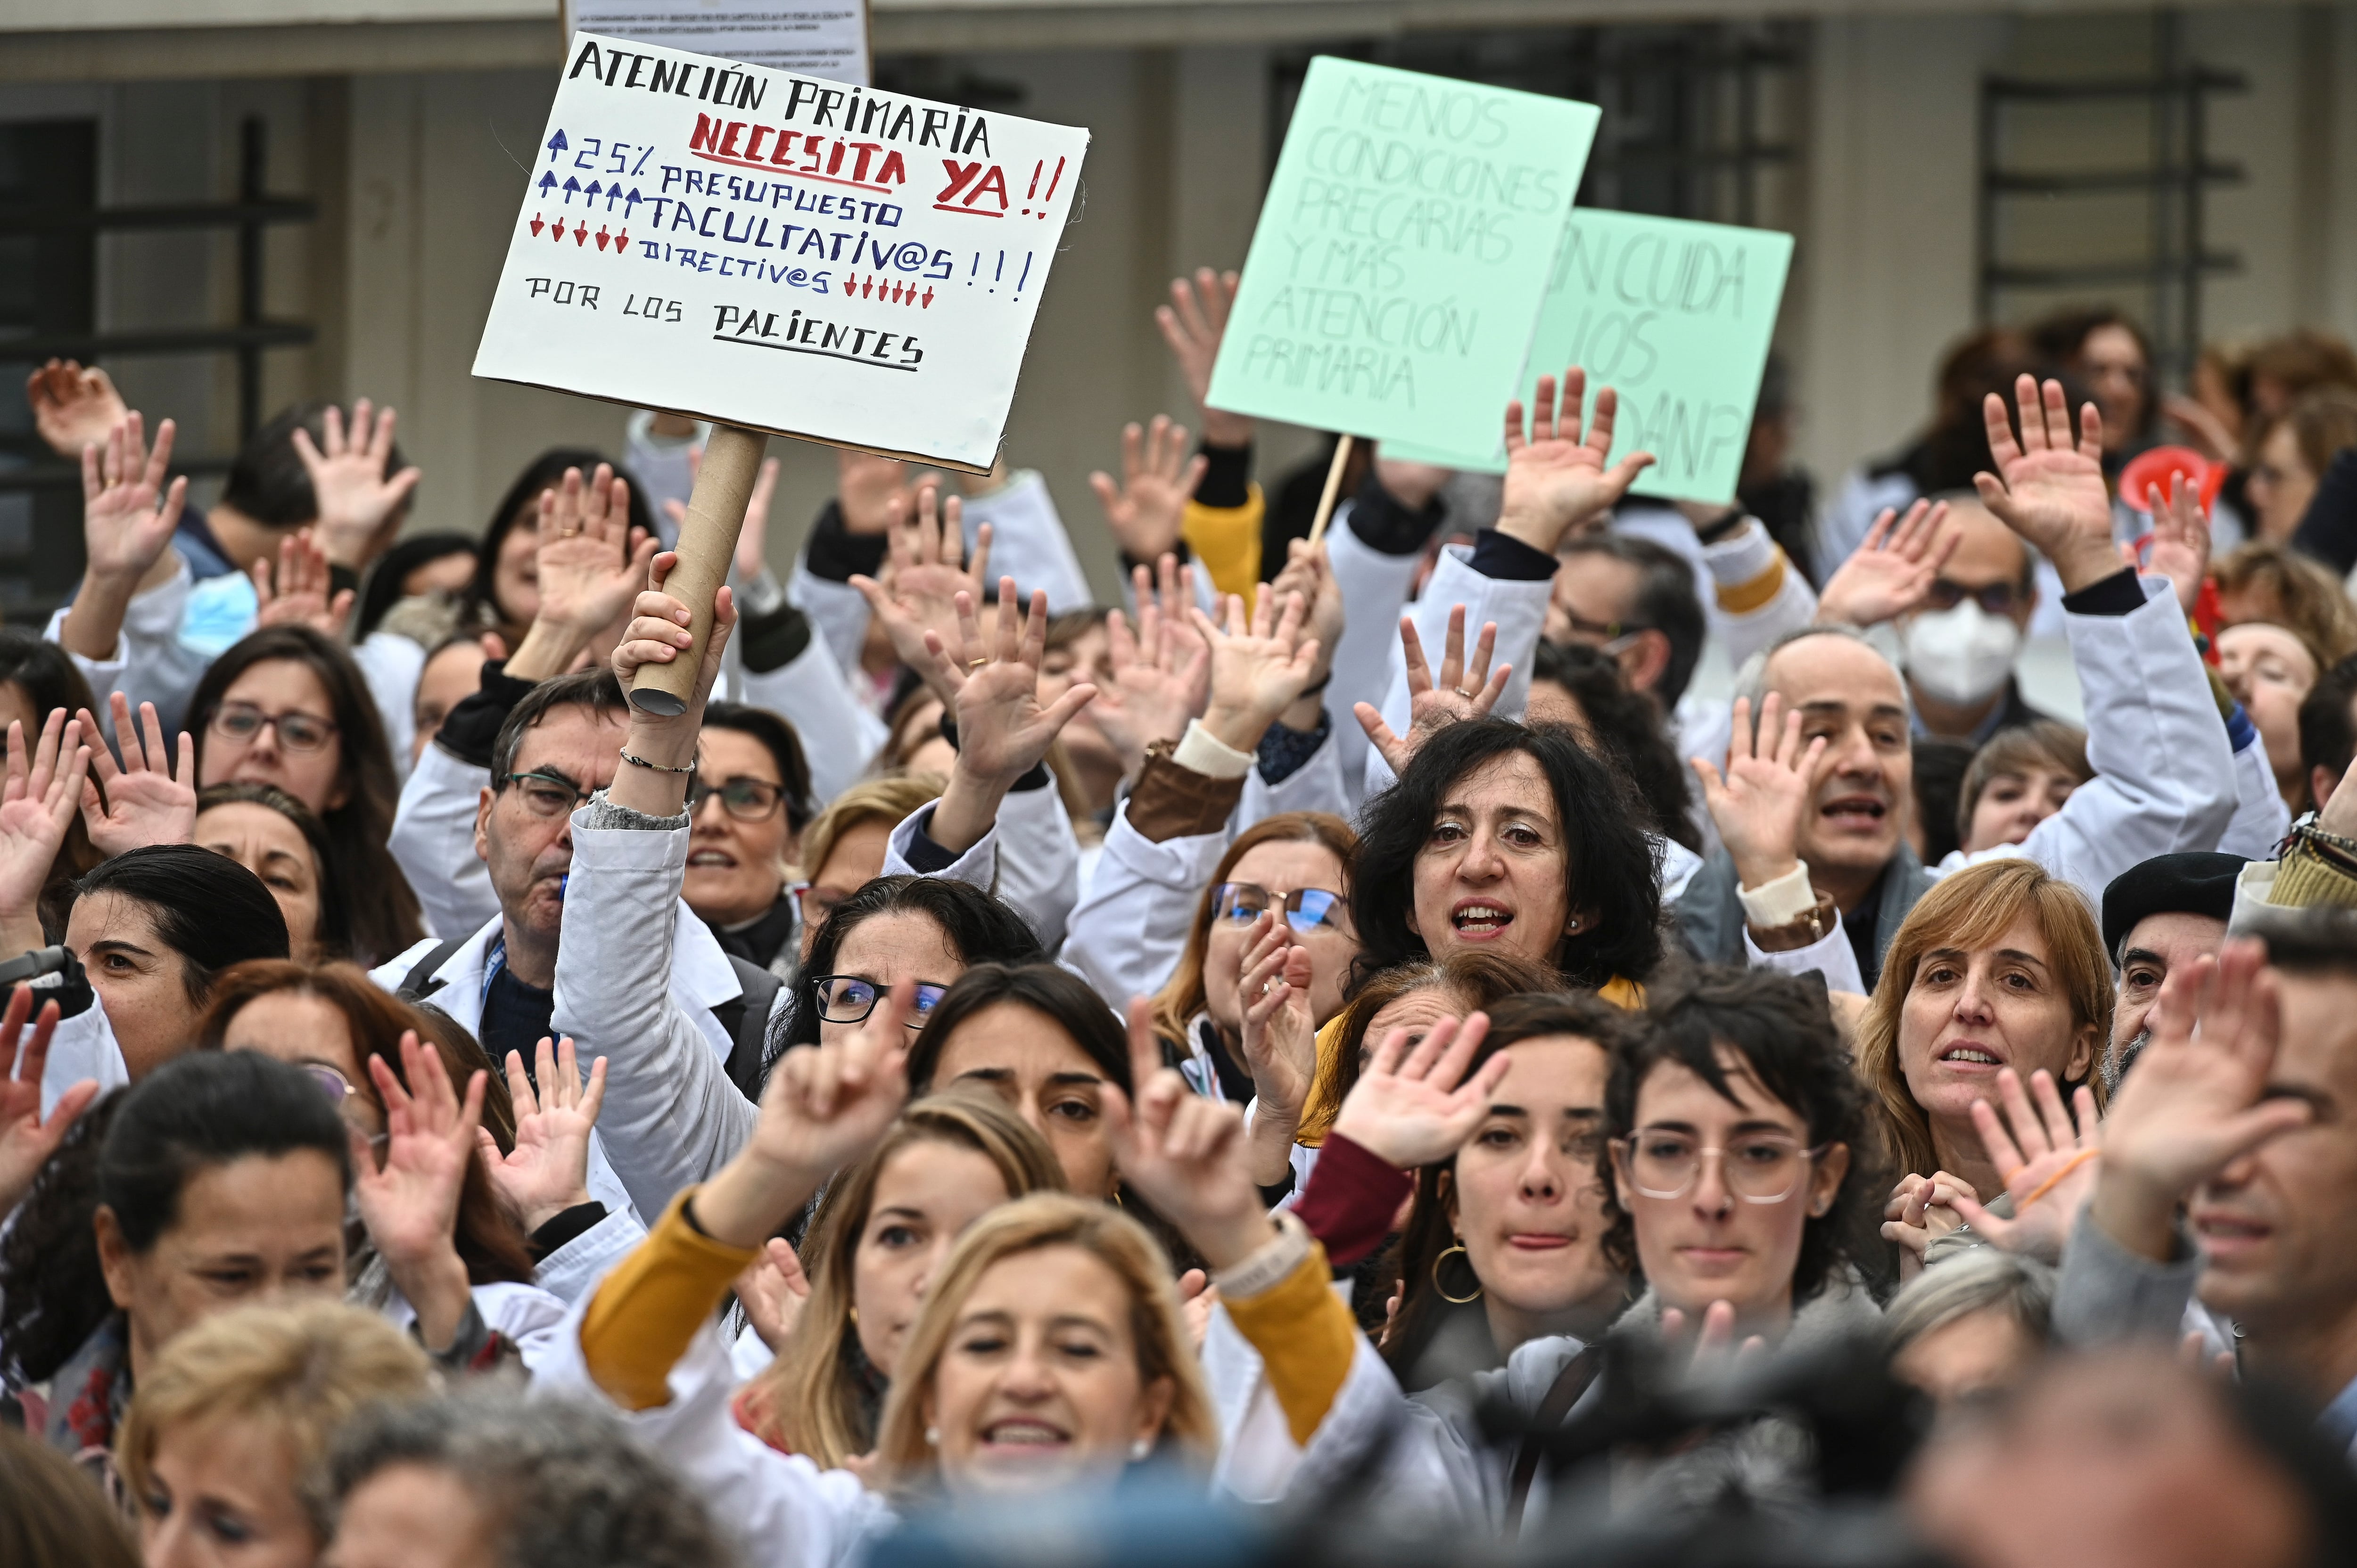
1674 315
1401 256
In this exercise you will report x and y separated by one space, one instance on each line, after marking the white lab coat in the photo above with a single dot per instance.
2165 779
640 992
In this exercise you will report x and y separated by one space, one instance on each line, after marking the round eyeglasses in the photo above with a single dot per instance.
1758 1167
1306 909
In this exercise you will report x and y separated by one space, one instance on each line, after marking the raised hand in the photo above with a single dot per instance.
1185 1154
1557 483
1309 573
302 593
2180 540
1892 572
27 1141
410 1202
73 407
128 514
547 1172
1758 806
1192 325
2196 1100
1157 478
2048 1160
1465 689
150 799
1260 666
1414 1104
1279 1041
37 805
2048 491
924 574
589 564
360 504
1003 732
773 1290
865 486
1160 679
826 1106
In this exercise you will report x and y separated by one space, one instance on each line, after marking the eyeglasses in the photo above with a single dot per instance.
547 794
1306 909
847 999
746 800
1759 1167
335 1085
1601 631
1996 598
296 732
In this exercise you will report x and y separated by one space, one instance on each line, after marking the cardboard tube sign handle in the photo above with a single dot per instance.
707 544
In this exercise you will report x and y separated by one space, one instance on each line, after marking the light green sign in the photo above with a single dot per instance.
1407 242
1676 317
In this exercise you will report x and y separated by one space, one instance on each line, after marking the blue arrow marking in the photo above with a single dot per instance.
557 144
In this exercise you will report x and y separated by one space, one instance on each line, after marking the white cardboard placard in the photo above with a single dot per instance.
779 253
815 38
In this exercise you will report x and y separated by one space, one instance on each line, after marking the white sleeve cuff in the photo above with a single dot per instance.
1741 557
1201 751
1781 902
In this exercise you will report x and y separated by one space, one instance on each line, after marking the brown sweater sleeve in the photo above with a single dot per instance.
1170 801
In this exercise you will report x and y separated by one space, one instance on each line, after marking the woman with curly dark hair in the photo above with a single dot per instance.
1516 838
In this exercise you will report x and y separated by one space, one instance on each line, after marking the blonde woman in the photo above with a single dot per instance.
219 1447
1066 1296
1996 980
881 1233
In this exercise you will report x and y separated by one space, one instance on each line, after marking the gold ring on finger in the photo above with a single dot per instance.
1464 694
978 663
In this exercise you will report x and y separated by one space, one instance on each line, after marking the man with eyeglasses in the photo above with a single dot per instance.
561 741
1959 648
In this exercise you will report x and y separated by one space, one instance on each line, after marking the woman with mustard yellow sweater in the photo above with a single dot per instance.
1049 1352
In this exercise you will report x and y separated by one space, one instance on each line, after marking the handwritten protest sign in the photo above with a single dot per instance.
814 37
1677 316
781 254
1400 255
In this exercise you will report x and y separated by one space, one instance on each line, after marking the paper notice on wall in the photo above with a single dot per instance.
1676 317
1396 272
779 253
817 37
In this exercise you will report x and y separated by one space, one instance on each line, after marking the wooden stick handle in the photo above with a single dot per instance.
707 544
1333 483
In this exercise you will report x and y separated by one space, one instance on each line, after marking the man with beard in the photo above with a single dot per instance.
2158 917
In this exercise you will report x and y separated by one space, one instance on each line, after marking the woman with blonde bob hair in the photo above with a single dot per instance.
943 1407
880 1234
219 1448
1048 1352
1997 980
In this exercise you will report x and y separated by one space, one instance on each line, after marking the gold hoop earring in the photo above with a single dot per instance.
1443 1290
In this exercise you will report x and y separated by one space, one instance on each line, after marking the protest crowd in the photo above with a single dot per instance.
1342 1052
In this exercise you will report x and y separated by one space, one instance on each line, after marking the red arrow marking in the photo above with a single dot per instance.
621 240
537 225
580 233
601 236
